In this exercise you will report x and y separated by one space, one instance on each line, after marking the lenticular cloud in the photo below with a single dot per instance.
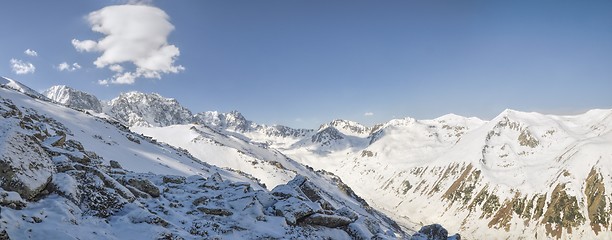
136 34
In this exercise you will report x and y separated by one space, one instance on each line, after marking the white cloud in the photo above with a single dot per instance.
30 52
21 67
368 114
116 68
85 45
68 67
136 34
120 78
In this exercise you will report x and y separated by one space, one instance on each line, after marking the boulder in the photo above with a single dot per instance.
115 164
294 209
145 186
331 221
434 232
215 211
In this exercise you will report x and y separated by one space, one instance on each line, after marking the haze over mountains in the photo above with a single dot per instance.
519 175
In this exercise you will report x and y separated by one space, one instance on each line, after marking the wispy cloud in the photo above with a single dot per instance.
20 67
368 114
136 34
68 67
30 52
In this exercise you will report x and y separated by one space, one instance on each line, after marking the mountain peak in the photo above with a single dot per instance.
347 127
148 109
73 98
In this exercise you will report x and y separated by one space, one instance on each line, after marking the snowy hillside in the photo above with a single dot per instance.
266 164
12 84
69 175
519 175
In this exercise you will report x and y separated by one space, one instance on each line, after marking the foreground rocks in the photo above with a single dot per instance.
434 232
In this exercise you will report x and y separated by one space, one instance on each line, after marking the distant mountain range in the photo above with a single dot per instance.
519 175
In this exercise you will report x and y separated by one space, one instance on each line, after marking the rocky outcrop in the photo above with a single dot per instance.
434 232
25 167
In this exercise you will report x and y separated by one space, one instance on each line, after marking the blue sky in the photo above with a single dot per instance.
303 63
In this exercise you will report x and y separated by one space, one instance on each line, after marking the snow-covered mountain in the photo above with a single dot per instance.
73 98
140 109
151 109
65 174
519 175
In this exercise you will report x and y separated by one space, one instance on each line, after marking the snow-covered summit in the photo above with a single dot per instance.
233 120
141 109
73 98
349 127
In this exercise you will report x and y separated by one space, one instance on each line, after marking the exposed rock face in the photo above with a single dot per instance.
326 136
597 203
73 98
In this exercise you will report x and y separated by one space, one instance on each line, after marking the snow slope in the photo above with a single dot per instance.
268 165
15 85
99 180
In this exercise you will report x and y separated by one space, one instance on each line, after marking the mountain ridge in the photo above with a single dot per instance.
520 170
